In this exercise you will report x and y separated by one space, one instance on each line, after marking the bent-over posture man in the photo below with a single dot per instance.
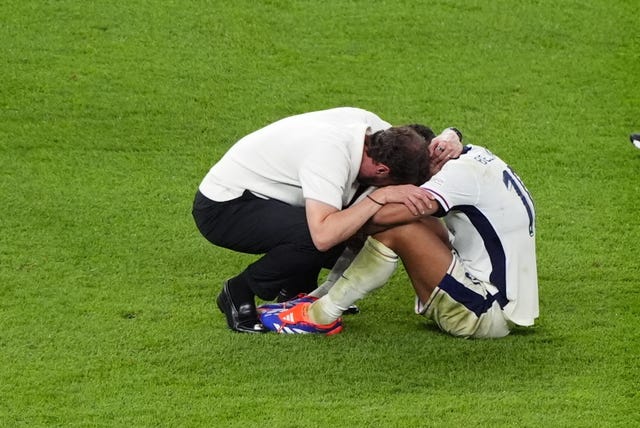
287 191
475 278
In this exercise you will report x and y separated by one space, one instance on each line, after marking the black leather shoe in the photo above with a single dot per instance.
242 318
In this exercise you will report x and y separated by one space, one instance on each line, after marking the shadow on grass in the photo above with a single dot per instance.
431 327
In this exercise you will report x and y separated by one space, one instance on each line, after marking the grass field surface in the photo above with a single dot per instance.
112 112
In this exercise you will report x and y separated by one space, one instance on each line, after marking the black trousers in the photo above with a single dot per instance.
253 225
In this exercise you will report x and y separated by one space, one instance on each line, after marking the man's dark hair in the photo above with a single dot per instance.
426 132
404 151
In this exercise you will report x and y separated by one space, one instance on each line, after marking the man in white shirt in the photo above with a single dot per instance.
287 191
475 278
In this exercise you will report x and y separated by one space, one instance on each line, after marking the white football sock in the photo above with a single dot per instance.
338 269
371 268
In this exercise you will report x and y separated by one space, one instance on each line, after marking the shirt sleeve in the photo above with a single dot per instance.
324 175
376 123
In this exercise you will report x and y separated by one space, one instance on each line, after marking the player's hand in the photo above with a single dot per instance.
445 146
418 200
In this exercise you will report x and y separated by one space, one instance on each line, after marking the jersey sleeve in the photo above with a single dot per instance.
454 185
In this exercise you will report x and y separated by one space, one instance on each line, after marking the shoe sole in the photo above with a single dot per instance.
334 331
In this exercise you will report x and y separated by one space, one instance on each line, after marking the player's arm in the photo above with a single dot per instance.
395 214
330 226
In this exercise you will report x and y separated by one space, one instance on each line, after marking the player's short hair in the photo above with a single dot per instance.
424 131
404 151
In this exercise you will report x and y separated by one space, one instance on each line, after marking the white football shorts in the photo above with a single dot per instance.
464 306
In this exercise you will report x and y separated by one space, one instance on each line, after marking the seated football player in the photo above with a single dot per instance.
471 260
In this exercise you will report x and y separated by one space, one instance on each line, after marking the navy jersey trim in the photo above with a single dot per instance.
476 303
493 245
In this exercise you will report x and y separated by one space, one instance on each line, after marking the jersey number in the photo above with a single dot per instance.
511 179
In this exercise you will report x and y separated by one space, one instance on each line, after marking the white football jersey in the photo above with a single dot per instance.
491 220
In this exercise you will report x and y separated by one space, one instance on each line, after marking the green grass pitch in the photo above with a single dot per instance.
112 112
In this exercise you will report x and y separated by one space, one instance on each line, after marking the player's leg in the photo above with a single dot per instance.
370 269
463 306
343 262
421 243
460 304
424 249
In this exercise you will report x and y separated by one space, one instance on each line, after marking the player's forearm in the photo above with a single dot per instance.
394 214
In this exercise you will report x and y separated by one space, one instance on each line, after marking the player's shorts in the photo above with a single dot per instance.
465 306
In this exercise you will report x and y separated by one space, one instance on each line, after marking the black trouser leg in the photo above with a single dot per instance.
279 231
